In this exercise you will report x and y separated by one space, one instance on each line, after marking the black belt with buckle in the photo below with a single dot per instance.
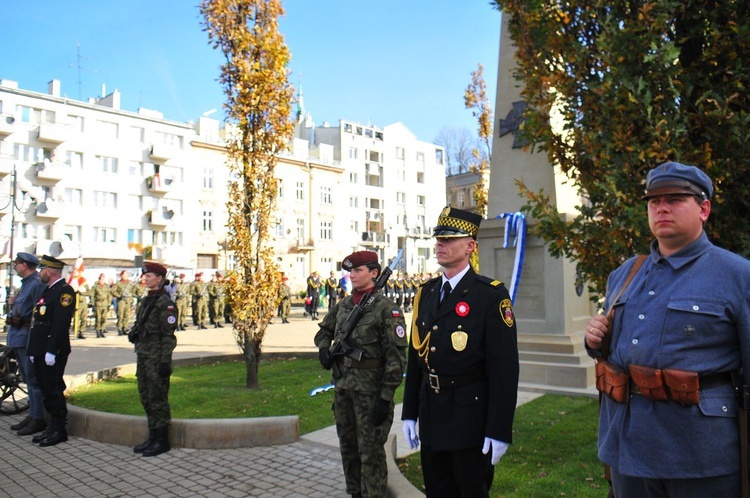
438 382
366 363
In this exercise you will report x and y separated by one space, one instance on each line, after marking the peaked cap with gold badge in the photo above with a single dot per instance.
454 222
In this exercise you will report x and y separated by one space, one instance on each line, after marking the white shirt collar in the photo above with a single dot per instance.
456 278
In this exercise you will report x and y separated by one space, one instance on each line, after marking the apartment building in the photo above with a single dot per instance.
116 186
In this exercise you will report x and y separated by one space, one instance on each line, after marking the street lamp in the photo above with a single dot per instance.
14 206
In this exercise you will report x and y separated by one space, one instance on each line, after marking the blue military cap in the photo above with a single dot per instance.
25 257
676 178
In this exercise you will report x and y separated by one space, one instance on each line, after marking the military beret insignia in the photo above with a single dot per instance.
506 311
462 309
66 300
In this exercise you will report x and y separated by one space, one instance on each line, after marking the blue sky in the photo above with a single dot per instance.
371 62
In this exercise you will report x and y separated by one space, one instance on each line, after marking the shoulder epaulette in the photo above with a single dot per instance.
429 281
489 281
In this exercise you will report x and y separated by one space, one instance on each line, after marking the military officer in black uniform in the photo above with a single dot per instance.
462 374
49 346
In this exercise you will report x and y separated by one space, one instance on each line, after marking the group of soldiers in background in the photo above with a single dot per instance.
403 288
204 300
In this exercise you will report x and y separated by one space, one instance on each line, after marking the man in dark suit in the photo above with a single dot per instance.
462 373
49 346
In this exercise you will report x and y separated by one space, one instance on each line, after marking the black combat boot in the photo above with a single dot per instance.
219 325
20 425
40 437
160 444
58 434
148 442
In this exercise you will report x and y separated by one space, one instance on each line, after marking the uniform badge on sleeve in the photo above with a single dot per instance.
66 300
171 320
400 331
506 311
396 313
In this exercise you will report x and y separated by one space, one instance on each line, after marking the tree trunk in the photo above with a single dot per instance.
251 364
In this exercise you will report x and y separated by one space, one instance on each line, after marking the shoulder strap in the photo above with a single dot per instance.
607 341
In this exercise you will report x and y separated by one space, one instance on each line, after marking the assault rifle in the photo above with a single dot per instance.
341 347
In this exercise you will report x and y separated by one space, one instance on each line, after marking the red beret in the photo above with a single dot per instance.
199 274
155 268
359 258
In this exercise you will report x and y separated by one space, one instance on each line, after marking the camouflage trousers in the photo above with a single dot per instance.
124 313
153 391
362 443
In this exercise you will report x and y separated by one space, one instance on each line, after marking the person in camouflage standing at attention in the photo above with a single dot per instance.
363 396
82 308
215 291
182 299
125 291
102 298
285 294
199 294
153 336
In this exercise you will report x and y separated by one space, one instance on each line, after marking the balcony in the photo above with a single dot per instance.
301 245
49 210
6 166
163 152
373 238
50 171
53 133
160 217
6 125
159 186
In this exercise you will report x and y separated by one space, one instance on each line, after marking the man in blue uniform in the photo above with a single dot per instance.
49 346
678 332
462 372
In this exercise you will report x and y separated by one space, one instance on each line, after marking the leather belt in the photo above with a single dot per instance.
708 381
438 382
367 363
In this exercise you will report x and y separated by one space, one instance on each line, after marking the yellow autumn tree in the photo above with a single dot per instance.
259 126
475 99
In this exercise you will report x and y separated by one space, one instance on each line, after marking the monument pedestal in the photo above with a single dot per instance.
550 315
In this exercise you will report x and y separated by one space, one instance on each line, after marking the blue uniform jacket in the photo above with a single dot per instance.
23 306
690 311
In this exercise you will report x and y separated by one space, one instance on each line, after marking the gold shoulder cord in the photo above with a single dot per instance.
422 347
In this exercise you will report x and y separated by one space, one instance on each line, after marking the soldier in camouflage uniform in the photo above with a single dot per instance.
102 298
125 292
182 299
199 294
82 309
215 297
363 396
285 294
153 336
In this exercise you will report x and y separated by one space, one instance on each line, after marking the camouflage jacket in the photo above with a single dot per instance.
155 335
125 291
101 295
380 333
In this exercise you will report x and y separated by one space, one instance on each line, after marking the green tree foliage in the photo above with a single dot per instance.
258 110
630 85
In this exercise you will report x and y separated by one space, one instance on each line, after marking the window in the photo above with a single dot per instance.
135 168
354 202
137 134
208 177
353 177
107 164
420 177
400 153
378 135
354 226
280 227
326 230
420 200
347 127
368 133
461 199
439 156
300 229
74 159
280 189
34 116
105 234
107 129
325 195
135 236
421 222
207 224
374 155
401 197
72 232
73 196
28 153
352 153
300 191
420 158
359 130
170 139
76 122
106 200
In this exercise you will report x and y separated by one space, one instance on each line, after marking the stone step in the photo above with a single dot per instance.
562 390
542 357
550 344
558 375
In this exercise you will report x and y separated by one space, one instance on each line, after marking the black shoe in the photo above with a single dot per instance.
40 437
80 336
148 442
56 437
160 444
219 326
202 327
36 425
20 425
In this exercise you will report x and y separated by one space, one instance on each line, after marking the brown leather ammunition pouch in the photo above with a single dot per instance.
599 371
683 386
615 383
648 382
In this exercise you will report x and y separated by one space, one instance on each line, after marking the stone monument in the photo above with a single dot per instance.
551 313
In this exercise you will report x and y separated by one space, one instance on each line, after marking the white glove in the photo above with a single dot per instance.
31 359
498 449
49 359
410 433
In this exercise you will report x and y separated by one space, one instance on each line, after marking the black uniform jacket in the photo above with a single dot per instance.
469 339
51 321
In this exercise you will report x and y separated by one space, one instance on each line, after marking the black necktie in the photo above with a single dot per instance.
446 291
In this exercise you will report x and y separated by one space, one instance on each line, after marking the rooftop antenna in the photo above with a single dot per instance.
78 67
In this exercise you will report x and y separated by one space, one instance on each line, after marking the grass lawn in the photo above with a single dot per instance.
554 444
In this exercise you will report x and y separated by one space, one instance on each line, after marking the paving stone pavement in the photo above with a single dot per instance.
309 468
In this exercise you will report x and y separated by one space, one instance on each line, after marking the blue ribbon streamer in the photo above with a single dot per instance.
515 228
321 389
